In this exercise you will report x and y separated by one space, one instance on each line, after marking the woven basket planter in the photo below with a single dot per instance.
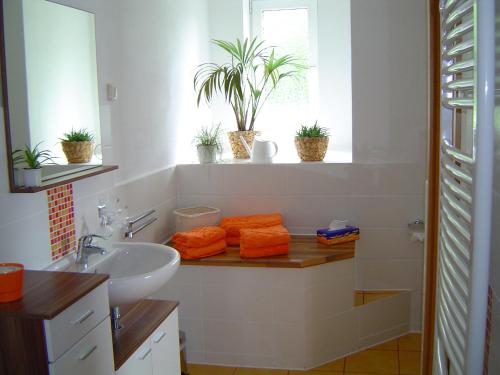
311 149
239 151
78 152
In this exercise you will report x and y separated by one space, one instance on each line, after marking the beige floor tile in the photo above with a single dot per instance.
312 372
210 370
259 371
337 365
373 361
389 345
409 363
410 342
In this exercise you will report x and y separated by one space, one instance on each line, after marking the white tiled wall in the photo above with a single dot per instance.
380 198
283 318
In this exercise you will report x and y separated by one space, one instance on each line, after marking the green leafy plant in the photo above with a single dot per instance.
33 158
82 135
313 131
247 80
209 136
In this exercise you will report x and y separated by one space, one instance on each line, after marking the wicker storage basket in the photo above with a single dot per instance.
311 148
193 217
239 151
78 152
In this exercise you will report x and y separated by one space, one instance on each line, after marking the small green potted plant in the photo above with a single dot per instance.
78 146
312 142
208 143
32 158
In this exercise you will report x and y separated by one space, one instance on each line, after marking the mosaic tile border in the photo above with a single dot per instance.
61 220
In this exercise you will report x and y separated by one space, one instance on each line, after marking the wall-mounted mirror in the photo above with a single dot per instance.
49 77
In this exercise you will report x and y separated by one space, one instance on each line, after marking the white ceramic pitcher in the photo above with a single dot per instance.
262 151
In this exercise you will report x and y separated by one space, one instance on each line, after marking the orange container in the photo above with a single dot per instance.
11 281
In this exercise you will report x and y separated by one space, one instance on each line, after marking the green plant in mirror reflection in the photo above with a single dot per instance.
82 135
33 158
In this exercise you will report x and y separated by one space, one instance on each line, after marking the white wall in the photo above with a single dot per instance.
389 80
139 50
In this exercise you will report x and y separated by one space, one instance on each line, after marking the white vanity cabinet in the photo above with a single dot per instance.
165 345
159 354
60 326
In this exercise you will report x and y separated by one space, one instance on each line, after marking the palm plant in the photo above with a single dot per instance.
246 81
32 157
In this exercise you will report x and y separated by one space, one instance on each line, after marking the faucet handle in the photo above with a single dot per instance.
88 238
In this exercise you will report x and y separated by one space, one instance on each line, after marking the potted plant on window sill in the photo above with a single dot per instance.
33 160
246 82
208 144
78 146
312 142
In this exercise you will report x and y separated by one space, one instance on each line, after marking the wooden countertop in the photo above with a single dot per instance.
304 252
139 321
46 294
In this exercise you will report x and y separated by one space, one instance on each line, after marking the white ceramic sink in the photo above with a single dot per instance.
136 270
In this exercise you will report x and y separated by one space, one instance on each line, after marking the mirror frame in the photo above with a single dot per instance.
8 140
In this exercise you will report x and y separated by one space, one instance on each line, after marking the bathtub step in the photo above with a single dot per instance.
363 297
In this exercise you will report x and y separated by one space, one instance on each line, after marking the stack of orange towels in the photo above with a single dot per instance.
264 242
200 242
233 225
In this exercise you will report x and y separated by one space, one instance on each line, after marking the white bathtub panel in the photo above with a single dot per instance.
236 302
384 314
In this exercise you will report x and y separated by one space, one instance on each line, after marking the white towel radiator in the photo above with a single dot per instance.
468 79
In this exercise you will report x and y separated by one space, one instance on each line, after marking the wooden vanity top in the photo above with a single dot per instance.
46 294
304 252
139 321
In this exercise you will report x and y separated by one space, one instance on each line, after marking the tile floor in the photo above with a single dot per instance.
396 357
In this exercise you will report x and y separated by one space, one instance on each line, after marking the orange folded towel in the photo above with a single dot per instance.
264 237
260 252
232 225
202 252
199 237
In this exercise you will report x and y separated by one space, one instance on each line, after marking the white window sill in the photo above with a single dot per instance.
331 158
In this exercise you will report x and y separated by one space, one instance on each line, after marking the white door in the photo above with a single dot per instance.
140 363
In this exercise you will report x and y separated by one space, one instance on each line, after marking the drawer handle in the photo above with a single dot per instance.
156 341
84 356
143 357
83 318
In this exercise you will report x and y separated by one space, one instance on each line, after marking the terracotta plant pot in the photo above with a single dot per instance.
11 281
239 151
78 152
311 149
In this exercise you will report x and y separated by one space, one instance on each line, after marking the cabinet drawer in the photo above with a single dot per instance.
76 321
165 345
91 355
139 363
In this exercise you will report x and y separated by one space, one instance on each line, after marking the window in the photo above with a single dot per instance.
291 27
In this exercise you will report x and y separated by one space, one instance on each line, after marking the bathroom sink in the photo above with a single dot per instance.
136 270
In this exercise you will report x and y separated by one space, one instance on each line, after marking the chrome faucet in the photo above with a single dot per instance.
85 248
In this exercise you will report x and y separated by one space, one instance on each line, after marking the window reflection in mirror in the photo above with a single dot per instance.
51 78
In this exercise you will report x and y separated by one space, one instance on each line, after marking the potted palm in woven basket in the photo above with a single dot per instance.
312 142
78 146
246 81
